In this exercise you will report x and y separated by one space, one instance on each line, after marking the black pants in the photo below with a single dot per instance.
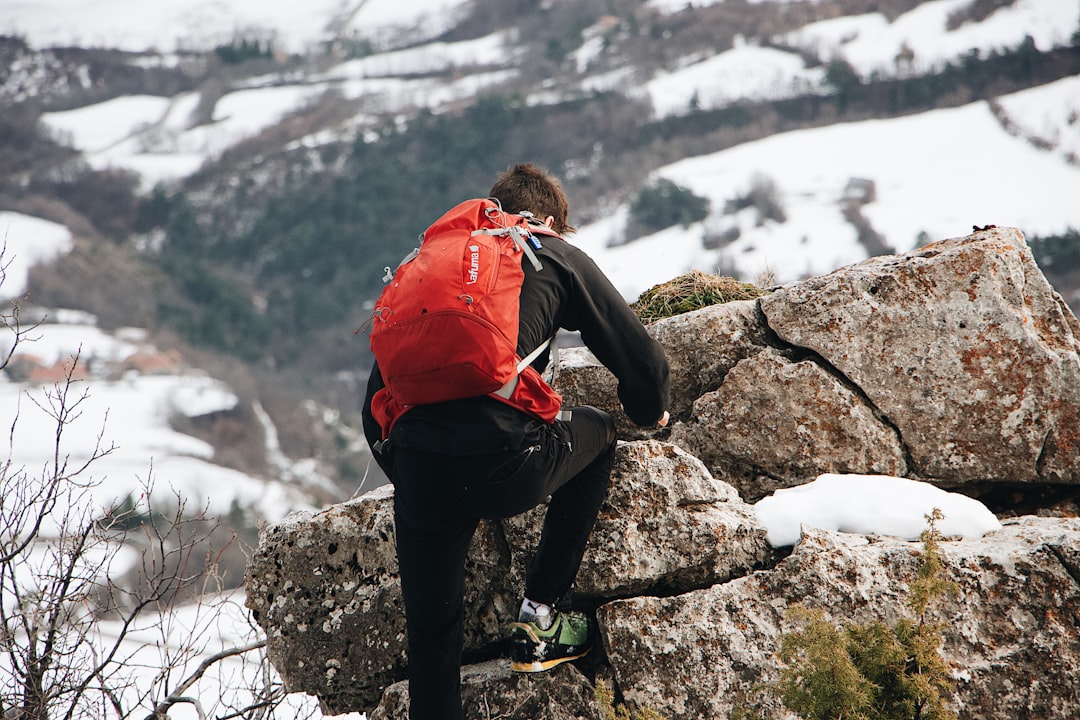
438 503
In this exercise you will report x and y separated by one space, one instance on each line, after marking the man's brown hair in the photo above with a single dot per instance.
528 187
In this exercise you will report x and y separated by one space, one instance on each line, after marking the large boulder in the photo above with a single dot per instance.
957 364
324 585
702 346
775 422
666 525
962 345
1010 633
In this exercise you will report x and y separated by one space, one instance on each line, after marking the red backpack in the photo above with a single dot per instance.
446 325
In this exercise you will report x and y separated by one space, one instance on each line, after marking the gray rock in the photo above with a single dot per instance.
666 525
704 345
491 690
582 380
777 423
962 345
324 586
1011 633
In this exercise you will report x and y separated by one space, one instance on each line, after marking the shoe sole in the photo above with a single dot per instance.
538 666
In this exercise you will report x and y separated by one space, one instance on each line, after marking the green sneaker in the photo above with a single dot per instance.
536 650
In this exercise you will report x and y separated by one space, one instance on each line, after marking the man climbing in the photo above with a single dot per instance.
455 462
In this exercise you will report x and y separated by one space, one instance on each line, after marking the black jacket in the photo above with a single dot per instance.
570 292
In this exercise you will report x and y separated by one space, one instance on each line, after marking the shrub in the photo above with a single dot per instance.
822 681
664 203
692 291
869 671
242 49
842 77
764 197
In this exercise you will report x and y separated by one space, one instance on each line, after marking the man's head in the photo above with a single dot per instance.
527 187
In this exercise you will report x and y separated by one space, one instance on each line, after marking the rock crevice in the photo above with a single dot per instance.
797 353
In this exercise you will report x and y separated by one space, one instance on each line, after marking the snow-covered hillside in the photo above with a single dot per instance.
120 410
935 174
169 26
132 394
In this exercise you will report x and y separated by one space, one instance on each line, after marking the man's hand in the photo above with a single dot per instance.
663 421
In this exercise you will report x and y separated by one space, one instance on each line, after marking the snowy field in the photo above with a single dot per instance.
167 26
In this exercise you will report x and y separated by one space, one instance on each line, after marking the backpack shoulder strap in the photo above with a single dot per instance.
508 389
520 238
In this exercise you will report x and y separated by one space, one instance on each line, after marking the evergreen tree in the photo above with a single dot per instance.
869 671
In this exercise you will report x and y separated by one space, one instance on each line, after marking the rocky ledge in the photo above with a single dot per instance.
956 364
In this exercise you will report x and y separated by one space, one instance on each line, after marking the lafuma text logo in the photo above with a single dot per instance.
474 264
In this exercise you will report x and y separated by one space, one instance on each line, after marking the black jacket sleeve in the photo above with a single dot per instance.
616 336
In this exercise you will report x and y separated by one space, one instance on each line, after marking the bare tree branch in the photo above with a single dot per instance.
72 635
162 708
44 498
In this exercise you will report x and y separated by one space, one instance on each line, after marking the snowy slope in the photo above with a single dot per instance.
936 174
130 415
172 25
27 241
870 42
